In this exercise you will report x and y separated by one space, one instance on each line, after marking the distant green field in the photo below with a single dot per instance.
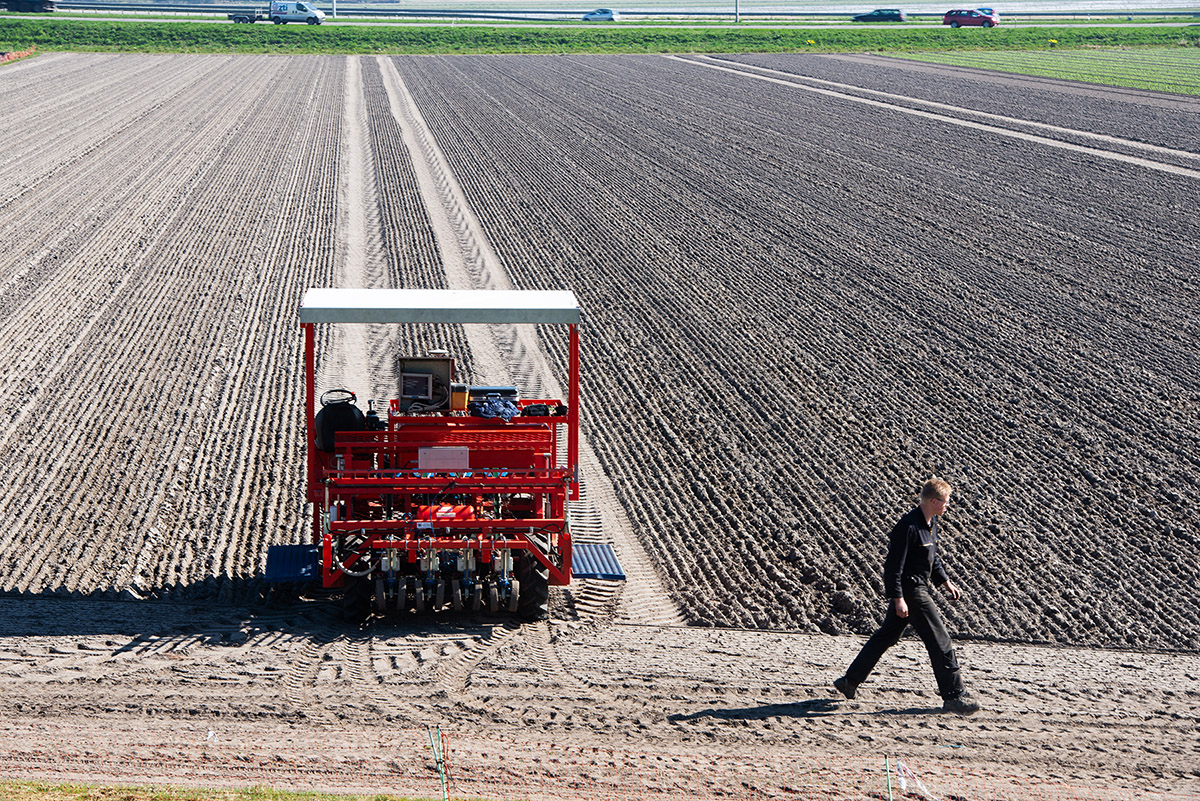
49 33
1163 69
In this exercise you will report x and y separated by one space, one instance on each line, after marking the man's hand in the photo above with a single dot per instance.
954 592
901 608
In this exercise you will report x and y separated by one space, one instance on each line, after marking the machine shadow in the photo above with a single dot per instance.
220 610
819 707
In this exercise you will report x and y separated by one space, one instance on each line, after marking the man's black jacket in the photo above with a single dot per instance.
912 554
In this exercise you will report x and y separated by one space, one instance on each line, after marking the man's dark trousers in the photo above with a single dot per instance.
924 617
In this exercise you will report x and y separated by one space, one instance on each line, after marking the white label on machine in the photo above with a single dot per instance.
444 458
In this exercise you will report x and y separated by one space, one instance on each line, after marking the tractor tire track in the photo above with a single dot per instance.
1171 160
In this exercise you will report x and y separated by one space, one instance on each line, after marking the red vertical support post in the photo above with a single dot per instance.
573 414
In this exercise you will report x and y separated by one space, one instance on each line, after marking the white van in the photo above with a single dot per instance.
296 11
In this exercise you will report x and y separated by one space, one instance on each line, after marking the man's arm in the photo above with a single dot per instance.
950 587
938 571
893 565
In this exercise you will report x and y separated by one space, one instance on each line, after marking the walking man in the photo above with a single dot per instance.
911 570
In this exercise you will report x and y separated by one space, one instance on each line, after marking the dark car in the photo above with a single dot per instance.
971 16
881 15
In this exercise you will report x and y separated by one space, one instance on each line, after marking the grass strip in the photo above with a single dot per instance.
195 37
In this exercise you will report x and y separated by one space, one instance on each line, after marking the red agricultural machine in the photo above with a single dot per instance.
453 497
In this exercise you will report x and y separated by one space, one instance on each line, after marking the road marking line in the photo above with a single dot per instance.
792 81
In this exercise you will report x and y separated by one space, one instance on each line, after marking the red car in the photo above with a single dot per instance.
956 19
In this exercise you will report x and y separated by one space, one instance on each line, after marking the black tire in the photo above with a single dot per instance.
311 20
987 24
534 600
356 600
277 20
514 594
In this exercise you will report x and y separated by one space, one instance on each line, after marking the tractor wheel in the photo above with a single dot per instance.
514 595
493 598
534 578
356 600
419 598
477 597
456 602
380 596
439 595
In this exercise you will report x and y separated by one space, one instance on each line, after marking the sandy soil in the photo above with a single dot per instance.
290 697
783 335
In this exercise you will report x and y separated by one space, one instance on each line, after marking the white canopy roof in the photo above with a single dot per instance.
438 306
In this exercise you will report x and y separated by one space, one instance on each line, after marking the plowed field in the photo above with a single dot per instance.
809 283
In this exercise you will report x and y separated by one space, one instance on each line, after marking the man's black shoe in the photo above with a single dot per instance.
964 705
844 687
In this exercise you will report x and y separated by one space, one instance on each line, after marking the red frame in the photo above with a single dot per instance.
519 456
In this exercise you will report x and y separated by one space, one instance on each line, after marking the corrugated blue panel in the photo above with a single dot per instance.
293 563
595 560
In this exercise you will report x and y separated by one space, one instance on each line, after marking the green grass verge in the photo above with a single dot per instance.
195 37
1175 69
45 791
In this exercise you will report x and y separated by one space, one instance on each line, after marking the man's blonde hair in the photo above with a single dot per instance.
935 488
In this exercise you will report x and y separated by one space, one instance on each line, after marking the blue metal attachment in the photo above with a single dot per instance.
595 560
293 563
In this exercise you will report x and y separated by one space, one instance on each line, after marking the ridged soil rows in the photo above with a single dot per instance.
800 306
152 314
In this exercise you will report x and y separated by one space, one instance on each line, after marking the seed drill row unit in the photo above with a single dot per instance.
453 497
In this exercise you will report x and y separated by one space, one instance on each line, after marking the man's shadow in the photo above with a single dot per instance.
815 708
818 707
